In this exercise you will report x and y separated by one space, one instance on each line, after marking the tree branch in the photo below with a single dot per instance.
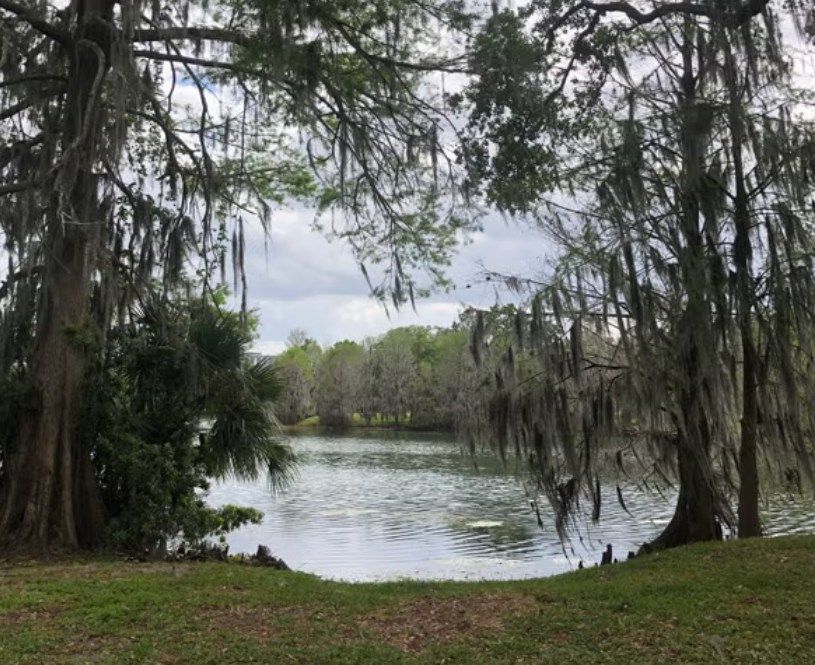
195 33
5 287
26 78
11 111
22 105
10 150
233 37
190 60
344 29
37 22
734 18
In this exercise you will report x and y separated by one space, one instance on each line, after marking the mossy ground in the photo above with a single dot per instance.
734 602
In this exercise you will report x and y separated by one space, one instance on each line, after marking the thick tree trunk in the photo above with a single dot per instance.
749 522
48 488
699 506
699 511
49 498
694 518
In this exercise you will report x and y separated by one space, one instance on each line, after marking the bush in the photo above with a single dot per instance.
174 403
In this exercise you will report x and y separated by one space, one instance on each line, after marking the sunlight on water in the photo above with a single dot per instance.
388 506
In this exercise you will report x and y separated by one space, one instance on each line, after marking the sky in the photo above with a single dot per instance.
298 279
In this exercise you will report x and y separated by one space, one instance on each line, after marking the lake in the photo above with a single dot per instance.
382 506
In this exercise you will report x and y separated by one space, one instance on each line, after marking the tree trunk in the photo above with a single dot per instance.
49 498
699 509
749 523
694 518
48 488
699 506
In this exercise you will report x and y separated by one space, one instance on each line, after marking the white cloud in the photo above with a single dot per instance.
297 279
269 347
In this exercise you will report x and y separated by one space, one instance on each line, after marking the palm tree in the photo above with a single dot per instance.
175 404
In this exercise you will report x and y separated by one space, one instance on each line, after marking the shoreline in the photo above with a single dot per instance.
378 427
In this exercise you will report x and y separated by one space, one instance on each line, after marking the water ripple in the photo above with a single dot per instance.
370 508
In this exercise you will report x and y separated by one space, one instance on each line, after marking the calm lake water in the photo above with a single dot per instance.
370 507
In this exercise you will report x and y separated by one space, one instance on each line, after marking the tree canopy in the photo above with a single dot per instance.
667 154
137 141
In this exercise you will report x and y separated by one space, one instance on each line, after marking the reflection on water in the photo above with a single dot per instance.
388 506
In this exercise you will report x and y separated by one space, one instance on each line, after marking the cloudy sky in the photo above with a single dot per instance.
301 280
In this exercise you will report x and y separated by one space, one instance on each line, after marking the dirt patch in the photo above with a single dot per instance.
415 625
261 623
39 616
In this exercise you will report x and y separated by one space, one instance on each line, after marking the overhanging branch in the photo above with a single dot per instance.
14 109
191 60
193 33
732 18
29 78
36 21
14 187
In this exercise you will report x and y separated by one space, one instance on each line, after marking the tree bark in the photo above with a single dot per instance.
696 516
699 507
749 522
48 487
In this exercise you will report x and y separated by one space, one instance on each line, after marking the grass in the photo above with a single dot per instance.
734 602
377 421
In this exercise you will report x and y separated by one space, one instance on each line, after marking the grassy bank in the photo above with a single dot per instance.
734 602
357 421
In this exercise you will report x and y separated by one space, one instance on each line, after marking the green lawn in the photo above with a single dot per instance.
737 602
357 420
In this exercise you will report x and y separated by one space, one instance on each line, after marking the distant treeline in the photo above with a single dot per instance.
412 376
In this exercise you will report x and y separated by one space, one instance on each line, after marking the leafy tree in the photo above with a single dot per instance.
297 376
110 182
339 379
676 145
297 338
174 404
369 397
445 381
412 375
395 369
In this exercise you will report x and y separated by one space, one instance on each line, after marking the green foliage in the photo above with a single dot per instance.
297 370
298 356
175 403
220 521
83 334
339 380
411 376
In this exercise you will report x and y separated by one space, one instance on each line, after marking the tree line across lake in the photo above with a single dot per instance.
411 376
